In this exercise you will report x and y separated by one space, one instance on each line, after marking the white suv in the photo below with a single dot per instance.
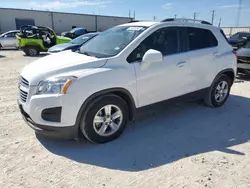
96 90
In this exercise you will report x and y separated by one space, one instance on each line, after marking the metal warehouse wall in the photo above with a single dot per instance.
58 21
232 30
7 18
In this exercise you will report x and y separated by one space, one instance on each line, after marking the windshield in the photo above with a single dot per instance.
110 42
240 35
82 39
75 29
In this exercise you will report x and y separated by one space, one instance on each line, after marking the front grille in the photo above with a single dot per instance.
23 94
24 82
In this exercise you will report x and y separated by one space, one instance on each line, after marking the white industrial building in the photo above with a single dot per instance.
11 19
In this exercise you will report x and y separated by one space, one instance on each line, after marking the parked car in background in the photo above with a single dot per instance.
130 66
8 39
74 44
243 64
76 32
239 39
36 39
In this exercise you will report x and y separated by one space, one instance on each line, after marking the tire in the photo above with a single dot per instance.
103 130
31 51
212 99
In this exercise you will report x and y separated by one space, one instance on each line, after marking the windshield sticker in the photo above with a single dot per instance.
117 48
135 28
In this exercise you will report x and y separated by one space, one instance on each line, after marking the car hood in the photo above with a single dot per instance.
61 47
243 52
59 63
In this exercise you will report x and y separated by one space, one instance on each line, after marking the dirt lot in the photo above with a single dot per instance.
184 146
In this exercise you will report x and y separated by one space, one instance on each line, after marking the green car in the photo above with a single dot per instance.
35 39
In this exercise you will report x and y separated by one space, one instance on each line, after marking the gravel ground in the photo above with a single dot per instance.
183 146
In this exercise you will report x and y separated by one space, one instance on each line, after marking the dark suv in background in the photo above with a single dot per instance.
76 32
239 39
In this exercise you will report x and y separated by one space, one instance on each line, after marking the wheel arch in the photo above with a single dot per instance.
229 72
121 92
33 45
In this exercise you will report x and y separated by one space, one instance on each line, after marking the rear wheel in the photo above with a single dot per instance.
105 119
219 92
31 51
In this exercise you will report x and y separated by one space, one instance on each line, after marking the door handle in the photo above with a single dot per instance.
181 64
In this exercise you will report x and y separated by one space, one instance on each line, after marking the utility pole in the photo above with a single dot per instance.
213 16
219 22
175 16
195 15
239 13
154 18
129 14
134 15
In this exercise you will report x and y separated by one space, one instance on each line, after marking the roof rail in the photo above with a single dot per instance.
185 20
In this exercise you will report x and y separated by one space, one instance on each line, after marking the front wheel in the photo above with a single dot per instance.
105 119
31 51
219 92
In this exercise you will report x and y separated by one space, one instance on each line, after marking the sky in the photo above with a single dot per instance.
227 10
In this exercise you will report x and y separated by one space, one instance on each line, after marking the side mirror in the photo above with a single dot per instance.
151 56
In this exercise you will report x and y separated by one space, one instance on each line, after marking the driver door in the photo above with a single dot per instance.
162 80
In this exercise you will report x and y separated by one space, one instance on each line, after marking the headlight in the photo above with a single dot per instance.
57 85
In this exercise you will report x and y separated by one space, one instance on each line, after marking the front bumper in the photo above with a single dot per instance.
70 132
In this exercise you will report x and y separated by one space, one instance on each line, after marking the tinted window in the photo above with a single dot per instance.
164 40
80 32
200 38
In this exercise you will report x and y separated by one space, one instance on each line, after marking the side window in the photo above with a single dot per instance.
200 38
12 34
164 40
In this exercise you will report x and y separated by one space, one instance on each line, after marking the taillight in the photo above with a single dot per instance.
236 54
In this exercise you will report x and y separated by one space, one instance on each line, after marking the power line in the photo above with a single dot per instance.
219 22
195 15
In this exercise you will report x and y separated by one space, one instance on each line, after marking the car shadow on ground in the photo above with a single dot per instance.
40 55
9 49
165 135
243 77
2 56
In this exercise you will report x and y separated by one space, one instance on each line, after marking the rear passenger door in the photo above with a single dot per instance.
202 50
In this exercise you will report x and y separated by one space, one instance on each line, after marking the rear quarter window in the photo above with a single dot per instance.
201 38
